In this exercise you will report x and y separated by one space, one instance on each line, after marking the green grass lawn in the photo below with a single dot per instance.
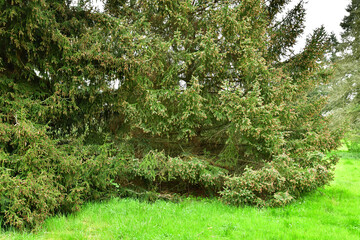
329 213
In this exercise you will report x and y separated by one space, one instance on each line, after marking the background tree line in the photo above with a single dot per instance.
344 101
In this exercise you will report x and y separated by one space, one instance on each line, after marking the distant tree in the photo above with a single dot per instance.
344 102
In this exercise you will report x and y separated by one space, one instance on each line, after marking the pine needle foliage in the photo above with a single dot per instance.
151 93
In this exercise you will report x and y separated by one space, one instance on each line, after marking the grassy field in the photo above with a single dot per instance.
329 213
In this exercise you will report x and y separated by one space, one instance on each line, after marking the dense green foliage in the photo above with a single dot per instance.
154 93
42 178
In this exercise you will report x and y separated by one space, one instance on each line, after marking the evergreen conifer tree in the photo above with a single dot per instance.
194 85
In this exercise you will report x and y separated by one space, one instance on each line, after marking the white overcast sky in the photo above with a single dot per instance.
329 13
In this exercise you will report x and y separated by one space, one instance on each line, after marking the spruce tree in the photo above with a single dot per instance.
192 89
241 101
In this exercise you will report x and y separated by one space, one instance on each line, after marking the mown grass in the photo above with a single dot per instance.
329 213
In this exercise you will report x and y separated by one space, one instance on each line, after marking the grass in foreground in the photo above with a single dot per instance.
330 213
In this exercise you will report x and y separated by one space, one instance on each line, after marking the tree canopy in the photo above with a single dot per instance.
211 89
